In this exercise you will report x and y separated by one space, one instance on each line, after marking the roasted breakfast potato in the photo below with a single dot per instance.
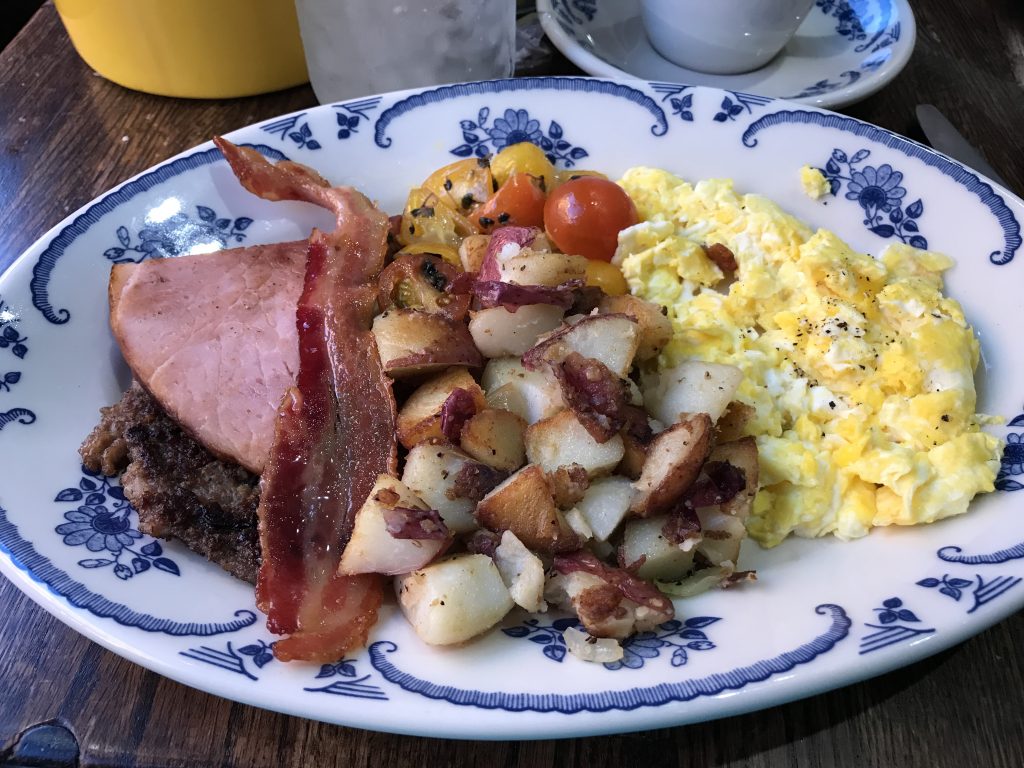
531 395
419 419
561 441
495 437
388 538
524 505
453 600
499 332
674 459
691 387
609 339
654 329
412 342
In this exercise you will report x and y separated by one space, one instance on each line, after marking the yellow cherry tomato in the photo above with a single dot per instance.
462 185
523 157
446 252
607 277
427 218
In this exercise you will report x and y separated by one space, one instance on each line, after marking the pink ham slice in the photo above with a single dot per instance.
212 337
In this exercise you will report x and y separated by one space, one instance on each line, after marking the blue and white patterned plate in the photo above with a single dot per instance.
845 50
825 613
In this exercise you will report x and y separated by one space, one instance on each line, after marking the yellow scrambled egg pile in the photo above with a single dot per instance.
859 370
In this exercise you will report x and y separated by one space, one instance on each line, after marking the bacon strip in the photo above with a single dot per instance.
335 430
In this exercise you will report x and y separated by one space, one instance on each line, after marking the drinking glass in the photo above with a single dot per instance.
359 47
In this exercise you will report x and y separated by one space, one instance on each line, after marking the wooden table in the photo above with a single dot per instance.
66 135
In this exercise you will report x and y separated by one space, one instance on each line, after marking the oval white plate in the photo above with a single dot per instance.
824 613
843 52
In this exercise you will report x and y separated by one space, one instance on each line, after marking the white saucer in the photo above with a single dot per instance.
845 50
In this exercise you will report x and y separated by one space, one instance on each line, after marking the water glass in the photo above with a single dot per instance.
359 47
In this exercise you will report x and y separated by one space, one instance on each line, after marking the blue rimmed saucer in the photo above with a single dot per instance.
845 50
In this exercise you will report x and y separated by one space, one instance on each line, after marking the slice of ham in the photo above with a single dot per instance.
335 430
212 337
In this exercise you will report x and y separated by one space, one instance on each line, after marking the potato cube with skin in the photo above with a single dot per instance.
453 600
605 504
610 339
721 536
644 542
411 342
522 572
531 267
495 437
561 441
691 387
372 548
531 395
653 326
740 453
498 332
674 459
433 472
420 417
524 505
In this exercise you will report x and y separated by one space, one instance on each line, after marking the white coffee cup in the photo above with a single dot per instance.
722 37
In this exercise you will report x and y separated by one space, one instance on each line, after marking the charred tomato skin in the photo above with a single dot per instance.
584 216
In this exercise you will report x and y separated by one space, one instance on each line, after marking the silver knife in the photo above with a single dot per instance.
944 137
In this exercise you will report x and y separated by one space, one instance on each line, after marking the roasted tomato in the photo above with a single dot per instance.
584 216
519 201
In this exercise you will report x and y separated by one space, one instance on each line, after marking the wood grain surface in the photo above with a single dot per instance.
67 135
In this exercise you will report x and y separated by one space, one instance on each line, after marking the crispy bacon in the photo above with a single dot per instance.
335 430
493 293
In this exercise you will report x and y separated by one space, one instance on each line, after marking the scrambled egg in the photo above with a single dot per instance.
860 372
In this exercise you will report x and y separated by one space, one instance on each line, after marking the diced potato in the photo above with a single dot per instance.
524 505
644 540
372 549
732 424
654 328
633 457
497 332
674 460
579 523
453 600
691 387
605 504
531 395
722 535
611 339
432 472
420 417
740 453
531 267
495 437
561 441
522 571
412 342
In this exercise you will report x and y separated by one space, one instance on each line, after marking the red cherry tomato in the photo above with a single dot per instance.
584 216
519 201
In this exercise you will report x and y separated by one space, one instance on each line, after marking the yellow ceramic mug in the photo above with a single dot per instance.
192 48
